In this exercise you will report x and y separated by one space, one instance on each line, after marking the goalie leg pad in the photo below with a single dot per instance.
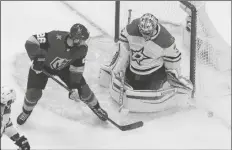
104 76
150 100
115 88
143 100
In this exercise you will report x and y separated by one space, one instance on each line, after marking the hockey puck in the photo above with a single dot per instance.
210 114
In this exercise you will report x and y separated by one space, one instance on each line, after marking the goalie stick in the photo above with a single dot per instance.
122 74
121 94
121 127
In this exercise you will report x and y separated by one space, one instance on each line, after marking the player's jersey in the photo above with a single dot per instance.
59 54
148 56
6 124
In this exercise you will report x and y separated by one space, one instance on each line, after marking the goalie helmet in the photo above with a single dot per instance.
8 95
147 25
78 33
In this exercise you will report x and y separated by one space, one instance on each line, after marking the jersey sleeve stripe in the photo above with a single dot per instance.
170 57
172 60
76 69
33 39
145 70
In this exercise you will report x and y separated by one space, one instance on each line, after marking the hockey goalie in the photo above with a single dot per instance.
145 74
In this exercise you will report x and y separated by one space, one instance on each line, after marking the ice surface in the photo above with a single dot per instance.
58 123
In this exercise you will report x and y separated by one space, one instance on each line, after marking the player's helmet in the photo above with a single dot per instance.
147 25
8 95
78 33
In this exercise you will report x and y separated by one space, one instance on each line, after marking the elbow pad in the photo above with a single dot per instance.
32 46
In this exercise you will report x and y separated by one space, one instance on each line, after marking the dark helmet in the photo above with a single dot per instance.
79 31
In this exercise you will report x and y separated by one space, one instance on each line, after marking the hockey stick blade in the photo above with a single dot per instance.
127 127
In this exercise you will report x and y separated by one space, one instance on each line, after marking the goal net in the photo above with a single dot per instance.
206 57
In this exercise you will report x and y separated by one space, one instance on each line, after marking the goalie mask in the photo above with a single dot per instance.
8 96
78 33
148 25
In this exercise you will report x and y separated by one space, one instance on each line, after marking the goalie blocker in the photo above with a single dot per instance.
145 100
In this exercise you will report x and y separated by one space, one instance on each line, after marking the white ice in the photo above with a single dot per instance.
47 130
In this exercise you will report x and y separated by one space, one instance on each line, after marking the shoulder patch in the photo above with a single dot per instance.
133 29
58 35
164 39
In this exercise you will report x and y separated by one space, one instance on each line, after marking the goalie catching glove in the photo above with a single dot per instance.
174 79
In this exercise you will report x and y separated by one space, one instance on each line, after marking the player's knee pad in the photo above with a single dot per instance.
33 95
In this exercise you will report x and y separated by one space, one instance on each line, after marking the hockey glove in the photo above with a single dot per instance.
22 143
74 95
174 79
39 61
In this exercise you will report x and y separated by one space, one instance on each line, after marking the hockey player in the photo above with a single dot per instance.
148 55
8 96
62 54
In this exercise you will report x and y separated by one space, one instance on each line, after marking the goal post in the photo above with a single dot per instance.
117 21
192 42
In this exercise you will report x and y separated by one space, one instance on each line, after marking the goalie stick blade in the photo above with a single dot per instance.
126 127
131 126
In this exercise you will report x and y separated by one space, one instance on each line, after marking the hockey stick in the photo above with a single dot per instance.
122 74
127 127
121 127
57 81
121 94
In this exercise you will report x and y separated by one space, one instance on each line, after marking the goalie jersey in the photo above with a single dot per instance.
147 56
